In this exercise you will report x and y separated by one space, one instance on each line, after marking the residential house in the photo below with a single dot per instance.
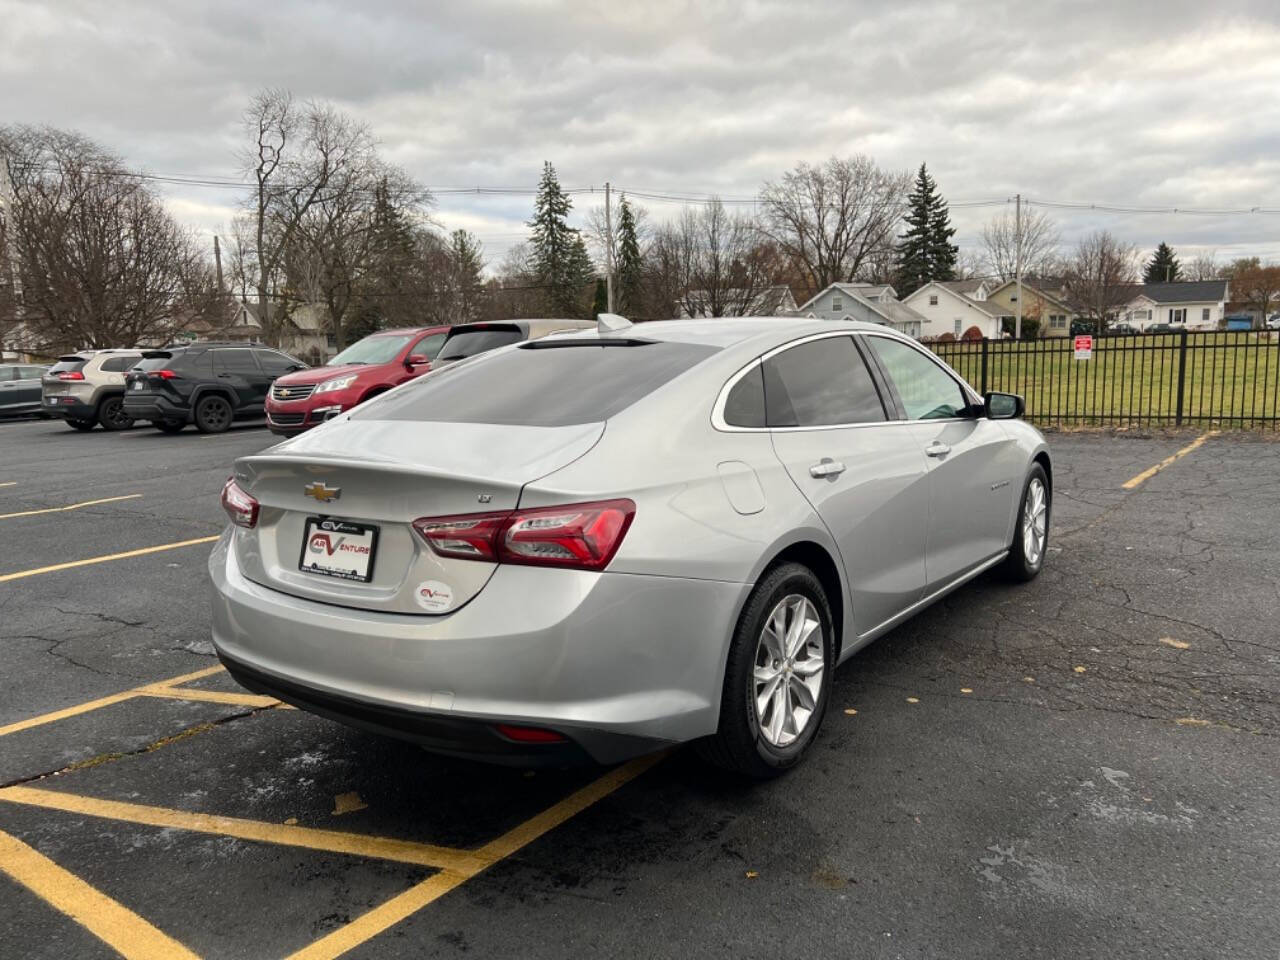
869 302
305 334
1190 304
954 307
1049 309
774 301
20 344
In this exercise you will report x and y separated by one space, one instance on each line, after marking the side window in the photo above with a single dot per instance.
117 364
32 373
744 406
927 392
430 346
275 364
8 373
820 383
237 361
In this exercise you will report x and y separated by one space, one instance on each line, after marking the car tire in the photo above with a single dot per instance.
169 426
214 414
1030 542
84 426
750 740
112 416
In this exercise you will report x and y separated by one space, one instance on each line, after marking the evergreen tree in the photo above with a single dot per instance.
925 252
600 303
465 263
560 259
1163 266
630 266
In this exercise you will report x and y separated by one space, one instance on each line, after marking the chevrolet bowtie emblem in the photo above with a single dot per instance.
320 491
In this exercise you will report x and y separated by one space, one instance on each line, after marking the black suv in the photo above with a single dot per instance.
208 384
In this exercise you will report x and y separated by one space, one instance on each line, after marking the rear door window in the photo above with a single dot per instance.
8 373
820 383
117 364
235 360
553 385
467 343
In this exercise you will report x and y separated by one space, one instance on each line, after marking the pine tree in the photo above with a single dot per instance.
1163 266
560 259
600 302
925 252
630 266
466 262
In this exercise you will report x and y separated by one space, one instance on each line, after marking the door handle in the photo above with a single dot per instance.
826 467
937 449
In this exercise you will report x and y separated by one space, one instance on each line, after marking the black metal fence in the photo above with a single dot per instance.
1222 378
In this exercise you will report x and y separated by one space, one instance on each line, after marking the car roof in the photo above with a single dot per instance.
735 331
401 331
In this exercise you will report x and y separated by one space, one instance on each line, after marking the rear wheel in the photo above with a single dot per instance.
213 414
777 678
169 426
81 425
112 416
1031 532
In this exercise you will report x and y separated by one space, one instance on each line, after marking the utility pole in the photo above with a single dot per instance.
7 203
217 259
608 248
1017 326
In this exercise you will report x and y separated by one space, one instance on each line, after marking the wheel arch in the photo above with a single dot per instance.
819 559
1042 458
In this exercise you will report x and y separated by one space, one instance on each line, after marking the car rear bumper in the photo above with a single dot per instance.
619 664
151 407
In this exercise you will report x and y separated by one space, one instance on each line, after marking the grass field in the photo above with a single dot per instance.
1229 379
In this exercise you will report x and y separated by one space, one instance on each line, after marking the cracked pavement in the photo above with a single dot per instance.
1084 766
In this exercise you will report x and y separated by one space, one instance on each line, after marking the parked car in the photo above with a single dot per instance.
470 339
1122 329
20 388
1273 322
208 384
1163 328
1081 327
87 388
599 544
371 366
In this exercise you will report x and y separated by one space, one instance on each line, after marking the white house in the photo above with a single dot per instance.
870 302
953 306
1193 305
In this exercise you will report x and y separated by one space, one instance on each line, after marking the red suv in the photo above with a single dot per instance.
368 367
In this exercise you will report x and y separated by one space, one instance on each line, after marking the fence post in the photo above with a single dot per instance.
985 341
1182 376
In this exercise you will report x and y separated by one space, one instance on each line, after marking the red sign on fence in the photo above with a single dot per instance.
1084 347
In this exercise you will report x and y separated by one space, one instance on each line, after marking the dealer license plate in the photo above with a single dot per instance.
338 548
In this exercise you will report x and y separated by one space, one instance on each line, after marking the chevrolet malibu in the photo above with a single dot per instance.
600 544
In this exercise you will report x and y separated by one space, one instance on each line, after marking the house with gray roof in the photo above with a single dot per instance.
1192 304
870 302
954 307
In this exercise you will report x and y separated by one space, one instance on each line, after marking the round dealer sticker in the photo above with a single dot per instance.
434 596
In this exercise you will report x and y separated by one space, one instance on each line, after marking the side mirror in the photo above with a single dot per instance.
1003 406
416 360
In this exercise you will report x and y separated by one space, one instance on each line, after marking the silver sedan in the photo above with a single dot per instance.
599 544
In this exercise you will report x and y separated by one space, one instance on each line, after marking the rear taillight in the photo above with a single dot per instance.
583 536
71 375
529 734
162 374
240 507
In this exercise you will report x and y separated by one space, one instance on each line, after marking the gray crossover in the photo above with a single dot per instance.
602 543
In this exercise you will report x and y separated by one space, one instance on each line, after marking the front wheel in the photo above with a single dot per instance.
213 414
1031 532
778 676
112 416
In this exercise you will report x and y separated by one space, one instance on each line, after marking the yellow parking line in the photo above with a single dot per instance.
1150 472
211 696
105 701
74 506
368 925
331 841
115 925
11 483
111 556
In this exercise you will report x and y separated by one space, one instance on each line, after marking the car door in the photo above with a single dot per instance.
428 347
29 385
275 364
863 473
973 462
237 368
8 389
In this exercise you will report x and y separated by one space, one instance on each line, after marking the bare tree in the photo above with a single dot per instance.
719 266
830 219
1204 267
1000 244
296 156
1258 286
102 264
1101 277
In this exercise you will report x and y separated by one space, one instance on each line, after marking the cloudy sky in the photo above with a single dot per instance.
1136 104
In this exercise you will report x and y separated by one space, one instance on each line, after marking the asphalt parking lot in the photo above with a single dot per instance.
1085 766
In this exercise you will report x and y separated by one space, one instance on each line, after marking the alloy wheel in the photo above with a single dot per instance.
1035 522
789 663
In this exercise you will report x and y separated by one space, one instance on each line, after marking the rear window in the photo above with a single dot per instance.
548 387
117 364
467 343
68 365
153 362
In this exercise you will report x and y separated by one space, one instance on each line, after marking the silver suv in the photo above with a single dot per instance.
87 388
